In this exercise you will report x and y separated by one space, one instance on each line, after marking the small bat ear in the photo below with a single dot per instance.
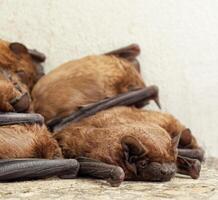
133 149
18 48
175 142
36 55
132 145
186 137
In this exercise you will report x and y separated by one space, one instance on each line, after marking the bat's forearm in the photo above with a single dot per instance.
28 169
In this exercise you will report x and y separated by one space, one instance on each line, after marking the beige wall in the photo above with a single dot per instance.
179 41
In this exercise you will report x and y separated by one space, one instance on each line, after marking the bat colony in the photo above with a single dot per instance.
85 118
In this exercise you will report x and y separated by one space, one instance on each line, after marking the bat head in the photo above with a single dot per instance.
14 95
121 76
131 80
24 62
147 161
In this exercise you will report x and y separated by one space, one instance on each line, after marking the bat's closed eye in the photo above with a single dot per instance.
143 163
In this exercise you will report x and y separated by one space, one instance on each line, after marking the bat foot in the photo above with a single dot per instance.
189 167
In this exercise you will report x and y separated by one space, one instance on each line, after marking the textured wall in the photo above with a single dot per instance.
179 41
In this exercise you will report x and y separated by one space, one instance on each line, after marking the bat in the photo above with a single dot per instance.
127 136
86 81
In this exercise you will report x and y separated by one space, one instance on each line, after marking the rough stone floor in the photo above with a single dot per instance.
206 188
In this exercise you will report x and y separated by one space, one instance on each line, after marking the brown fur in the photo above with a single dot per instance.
100 136
82 82
128 115
27 141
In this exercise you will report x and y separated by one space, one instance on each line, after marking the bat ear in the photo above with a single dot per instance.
18 48
186 137
175 142
36 55
133 150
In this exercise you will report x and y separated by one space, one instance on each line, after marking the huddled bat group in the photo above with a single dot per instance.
85 118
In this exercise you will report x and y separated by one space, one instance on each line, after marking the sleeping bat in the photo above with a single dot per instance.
28 151
144 143
88 80
144 152
20 69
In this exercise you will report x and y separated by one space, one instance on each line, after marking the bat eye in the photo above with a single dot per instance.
143 163
23 76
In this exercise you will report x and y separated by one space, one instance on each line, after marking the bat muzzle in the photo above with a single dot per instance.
158 172
22 103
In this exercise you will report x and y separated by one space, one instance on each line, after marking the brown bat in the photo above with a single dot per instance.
20 69
86 81
143 155
144 143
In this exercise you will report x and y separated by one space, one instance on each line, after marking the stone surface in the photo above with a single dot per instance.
206 187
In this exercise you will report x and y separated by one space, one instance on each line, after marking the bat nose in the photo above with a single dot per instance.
21 104
167 171
164 171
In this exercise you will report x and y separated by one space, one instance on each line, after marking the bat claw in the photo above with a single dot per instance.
157 101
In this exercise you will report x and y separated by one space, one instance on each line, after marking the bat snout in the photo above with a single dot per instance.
167 171
159 172
22 103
